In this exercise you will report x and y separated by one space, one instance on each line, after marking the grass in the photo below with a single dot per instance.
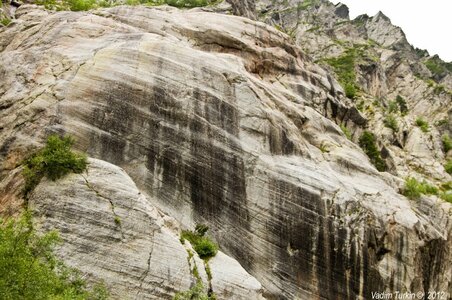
448 166
30 270
391 122
414 189
54 161
196 292
435 67
346 131
367 142
447 143
403 107
202 244
344 67
5 21
422 124
84 5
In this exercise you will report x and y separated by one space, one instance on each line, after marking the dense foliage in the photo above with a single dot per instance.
29 269
54 161
367 142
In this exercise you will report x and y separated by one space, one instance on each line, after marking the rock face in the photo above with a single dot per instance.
224 121
112 232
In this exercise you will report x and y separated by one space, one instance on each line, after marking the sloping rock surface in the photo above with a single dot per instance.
111 232
223 120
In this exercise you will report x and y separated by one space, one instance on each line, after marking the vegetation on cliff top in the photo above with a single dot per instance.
30 270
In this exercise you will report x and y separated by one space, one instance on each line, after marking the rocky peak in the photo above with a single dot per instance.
342 11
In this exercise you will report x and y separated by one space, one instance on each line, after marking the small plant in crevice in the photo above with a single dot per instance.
414 189
117 220
5 21
447 143
54 161
422 124
196 292
346 131
403 107
202 244
367 142
390 121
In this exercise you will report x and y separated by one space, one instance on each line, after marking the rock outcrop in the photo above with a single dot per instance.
111 232
220 120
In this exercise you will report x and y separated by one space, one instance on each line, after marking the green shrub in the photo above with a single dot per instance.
202 244
414 189
29 269
391 122
54 161
346 131
447 143
422 124
448 166
367 142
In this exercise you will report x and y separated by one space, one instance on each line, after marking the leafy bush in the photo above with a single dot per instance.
391 122
422 124
448 166
54 161
414 189
202 244
346 131
367 142
447 143
29 269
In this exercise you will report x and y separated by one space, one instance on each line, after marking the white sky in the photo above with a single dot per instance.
427 23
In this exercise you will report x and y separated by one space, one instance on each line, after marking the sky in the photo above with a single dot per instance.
427 24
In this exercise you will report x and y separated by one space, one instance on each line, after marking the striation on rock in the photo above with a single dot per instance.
222 120
111 232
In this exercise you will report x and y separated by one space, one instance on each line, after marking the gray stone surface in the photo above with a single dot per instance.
225 121
111 232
